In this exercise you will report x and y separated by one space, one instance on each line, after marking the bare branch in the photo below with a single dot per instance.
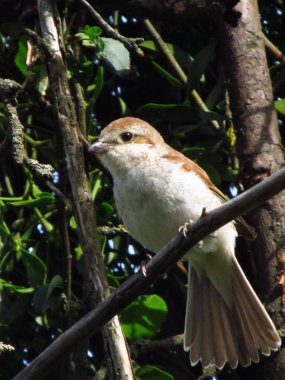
146 345
130 43
8 92
109 231
160 264
116 350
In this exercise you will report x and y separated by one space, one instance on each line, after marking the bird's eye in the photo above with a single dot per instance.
127 136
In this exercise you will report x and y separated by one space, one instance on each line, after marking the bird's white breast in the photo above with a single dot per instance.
154 199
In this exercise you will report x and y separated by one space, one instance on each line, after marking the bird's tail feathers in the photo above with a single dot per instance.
216 333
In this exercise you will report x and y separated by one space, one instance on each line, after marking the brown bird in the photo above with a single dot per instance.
156 190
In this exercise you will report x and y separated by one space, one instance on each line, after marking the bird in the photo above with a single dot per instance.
156 190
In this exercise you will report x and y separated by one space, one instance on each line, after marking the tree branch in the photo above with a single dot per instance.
15 136
130 43
115 344
160 264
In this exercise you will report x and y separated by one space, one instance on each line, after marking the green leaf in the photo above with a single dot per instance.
167 112
40 78
7 261
199 65
15 288
43 293
169 77
4 229
124 109
143 317
176 113
149 372
72 223
212 172
21 56
116 56
43 199
78 252
36 268
93 92
106 209
181 56
215 95
280 106
90 36
36 190
229 174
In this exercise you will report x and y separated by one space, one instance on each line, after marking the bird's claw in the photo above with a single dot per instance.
143 264
185 228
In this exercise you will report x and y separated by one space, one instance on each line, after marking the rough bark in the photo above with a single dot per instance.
259 149
119 362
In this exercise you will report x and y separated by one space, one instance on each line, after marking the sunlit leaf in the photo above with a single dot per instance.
90 36
144 317
44 199
72 223
21 56
116 56
169 77
280 106
15 288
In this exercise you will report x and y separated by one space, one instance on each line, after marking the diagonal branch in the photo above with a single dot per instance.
159 265
130 43
119 365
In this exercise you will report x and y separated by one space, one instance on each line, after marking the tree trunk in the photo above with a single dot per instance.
116 350
259 149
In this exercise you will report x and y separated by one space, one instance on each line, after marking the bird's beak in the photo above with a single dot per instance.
99 147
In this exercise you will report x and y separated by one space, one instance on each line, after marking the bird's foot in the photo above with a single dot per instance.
143 264
185 228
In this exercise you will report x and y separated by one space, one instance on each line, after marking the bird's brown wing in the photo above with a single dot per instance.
243 228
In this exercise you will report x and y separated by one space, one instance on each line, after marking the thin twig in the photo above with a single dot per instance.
177 68
116 351
39 42
110 231
60 195
8 92
144 346
161 263
273 49
130 43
